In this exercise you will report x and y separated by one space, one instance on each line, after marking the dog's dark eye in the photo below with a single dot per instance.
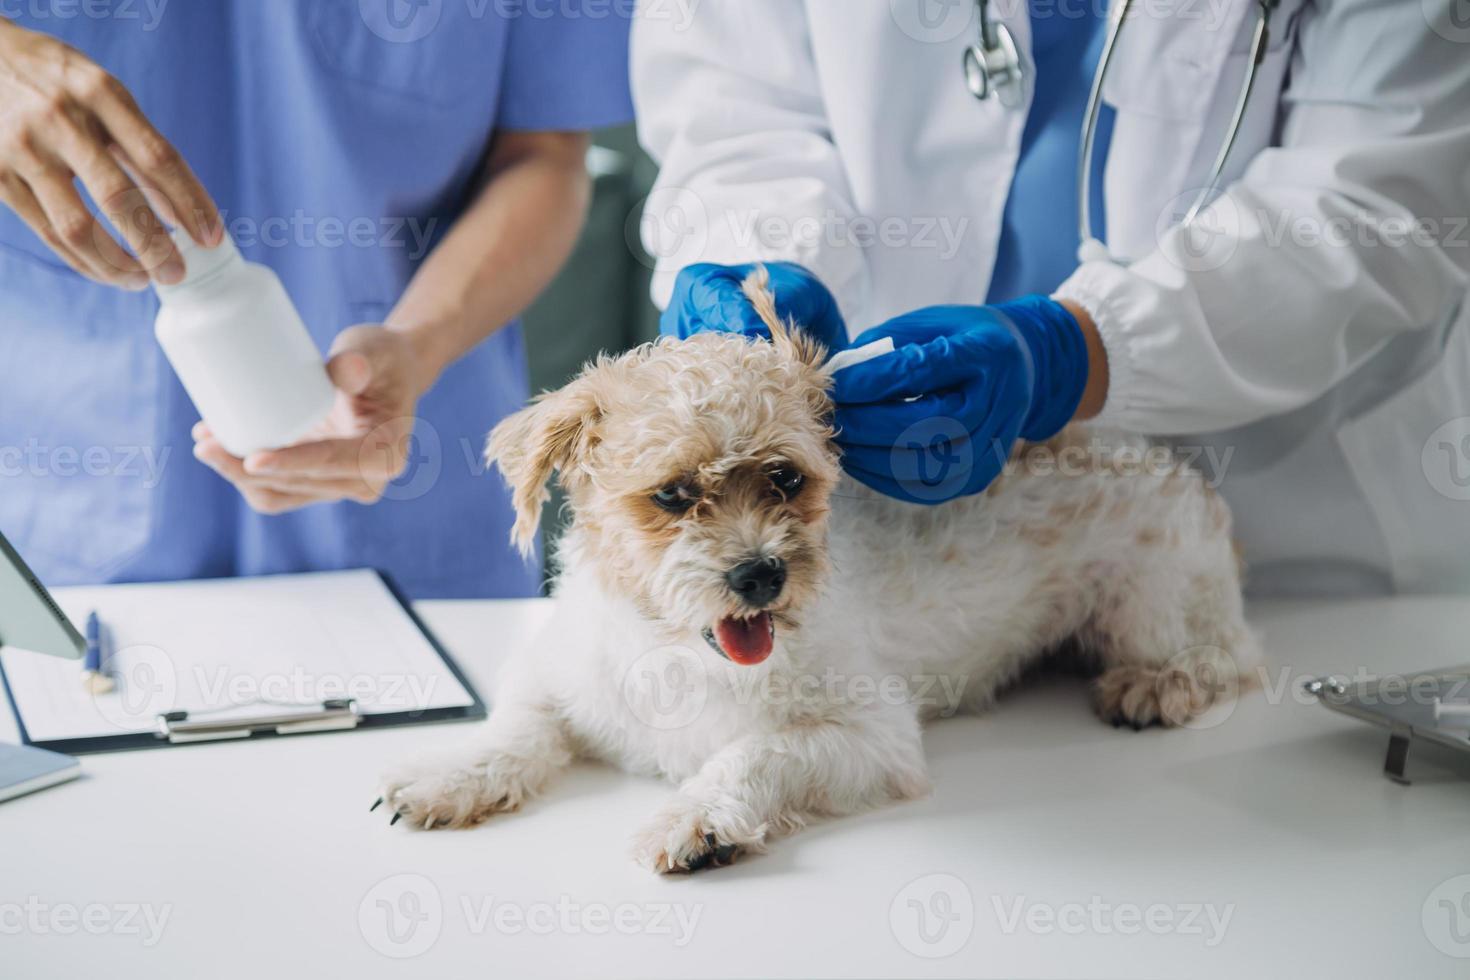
675 498
788 481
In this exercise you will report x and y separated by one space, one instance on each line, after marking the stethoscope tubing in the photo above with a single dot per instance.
991 57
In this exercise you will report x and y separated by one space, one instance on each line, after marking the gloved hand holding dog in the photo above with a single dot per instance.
936 418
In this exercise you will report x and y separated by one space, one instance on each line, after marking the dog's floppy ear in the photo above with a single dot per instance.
787 336
548 435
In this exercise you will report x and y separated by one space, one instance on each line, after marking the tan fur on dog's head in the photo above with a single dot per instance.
713 423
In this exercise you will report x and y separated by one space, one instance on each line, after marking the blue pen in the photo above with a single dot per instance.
92 676
94 644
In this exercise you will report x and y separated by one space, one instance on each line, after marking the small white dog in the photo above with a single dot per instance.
737 617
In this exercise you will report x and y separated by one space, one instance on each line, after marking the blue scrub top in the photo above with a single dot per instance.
341 139
1038 239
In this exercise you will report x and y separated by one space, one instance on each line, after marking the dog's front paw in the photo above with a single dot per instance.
1139 696
449 794
687 835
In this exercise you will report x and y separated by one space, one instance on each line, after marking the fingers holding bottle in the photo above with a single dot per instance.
66 122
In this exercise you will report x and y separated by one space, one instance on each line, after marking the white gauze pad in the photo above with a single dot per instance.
858 355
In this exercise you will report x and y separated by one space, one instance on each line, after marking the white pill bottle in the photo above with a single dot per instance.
241 350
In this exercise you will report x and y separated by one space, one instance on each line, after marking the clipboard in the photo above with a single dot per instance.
33 684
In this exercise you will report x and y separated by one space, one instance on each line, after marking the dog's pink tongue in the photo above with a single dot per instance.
746 641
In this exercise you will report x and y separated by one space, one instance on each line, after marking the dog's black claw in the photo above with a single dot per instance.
1117 722
717 856
1138 726
396 817
376 804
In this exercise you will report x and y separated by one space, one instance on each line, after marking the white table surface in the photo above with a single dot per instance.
261 859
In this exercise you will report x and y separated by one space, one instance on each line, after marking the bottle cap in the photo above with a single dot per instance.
199 262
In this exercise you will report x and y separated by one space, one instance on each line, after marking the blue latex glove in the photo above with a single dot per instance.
708 297
937 418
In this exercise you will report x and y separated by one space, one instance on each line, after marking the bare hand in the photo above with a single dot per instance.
63 118
364 443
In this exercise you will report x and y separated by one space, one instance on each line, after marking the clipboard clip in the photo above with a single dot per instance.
334 716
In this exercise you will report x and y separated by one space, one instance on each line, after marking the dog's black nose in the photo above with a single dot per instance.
758 581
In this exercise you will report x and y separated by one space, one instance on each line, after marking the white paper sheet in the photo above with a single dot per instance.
233 648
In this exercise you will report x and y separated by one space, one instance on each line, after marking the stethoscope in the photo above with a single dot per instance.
993 66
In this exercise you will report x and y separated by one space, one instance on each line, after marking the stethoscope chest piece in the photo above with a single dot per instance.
993 66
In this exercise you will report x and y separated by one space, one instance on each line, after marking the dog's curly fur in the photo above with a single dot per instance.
885 603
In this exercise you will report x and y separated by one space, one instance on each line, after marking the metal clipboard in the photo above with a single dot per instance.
174 728
1433 706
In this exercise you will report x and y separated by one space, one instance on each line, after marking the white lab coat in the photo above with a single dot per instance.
1317 350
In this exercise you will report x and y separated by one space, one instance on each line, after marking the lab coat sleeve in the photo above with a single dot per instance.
1347 234
729 105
